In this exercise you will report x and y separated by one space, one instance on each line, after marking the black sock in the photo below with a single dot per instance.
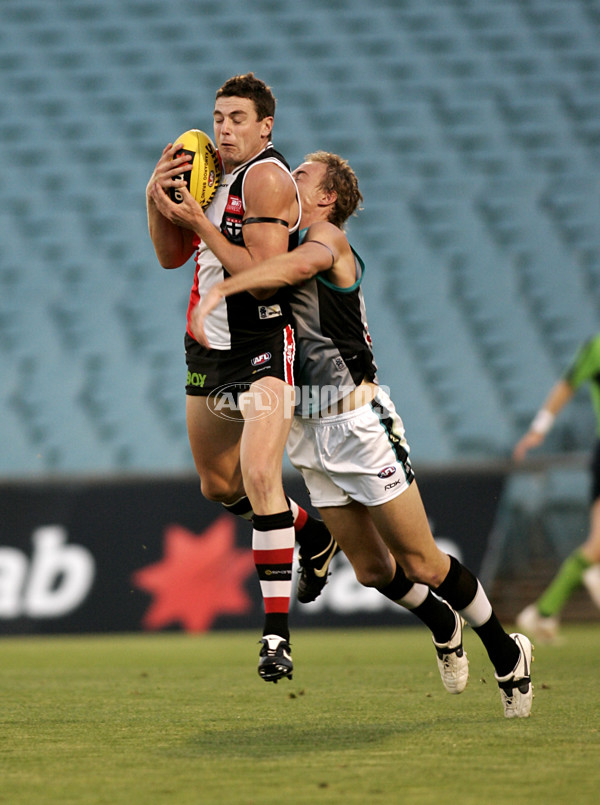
459 588
438 616
277 623
430 610
241 508
464 593
398 586
501 648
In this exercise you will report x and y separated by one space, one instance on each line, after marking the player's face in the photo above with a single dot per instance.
239 135
309 177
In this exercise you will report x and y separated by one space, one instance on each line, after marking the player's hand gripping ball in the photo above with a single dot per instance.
203 179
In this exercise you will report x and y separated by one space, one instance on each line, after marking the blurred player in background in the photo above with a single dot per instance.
349 442
541 619
254 215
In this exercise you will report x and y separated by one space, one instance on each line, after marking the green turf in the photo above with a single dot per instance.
172 718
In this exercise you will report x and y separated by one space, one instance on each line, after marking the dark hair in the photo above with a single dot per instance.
249 86
339 178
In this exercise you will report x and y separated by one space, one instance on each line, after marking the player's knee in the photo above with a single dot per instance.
373 574
419 571
217 489
259 480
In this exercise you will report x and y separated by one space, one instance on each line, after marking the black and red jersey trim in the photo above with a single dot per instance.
289 354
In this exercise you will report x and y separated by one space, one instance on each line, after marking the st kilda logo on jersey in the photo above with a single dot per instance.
233 227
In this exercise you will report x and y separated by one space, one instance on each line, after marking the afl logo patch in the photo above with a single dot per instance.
386 472
260 359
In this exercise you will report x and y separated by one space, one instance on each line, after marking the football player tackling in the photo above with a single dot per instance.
350 443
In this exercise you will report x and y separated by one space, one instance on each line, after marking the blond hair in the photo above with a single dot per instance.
340 179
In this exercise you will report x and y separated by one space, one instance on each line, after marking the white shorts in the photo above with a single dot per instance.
359 455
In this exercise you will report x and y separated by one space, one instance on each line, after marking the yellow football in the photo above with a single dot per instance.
204 177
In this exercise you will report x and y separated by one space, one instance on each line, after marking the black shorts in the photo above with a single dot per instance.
273 355
595 468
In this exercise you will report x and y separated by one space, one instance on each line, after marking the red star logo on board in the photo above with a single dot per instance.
199 578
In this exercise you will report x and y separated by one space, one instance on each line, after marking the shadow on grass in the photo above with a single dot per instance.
286 738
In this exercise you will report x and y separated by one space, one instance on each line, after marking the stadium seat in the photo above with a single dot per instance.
474 128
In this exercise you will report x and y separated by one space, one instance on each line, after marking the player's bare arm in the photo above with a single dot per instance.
173 244
269 193
325 250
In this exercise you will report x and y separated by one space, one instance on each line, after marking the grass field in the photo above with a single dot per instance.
172 718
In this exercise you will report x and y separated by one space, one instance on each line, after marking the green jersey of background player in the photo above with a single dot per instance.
541 619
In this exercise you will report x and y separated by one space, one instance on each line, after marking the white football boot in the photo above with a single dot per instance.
452 660
516 690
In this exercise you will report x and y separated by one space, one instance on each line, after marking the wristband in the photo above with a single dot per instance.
542 422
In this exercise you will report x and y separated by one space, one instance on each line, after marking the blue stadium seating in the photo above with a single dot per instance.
473 125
